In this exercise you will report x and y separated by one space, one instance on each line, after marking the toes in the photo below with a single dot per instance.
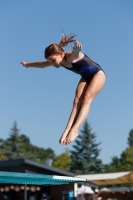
61 141
63 138
65 142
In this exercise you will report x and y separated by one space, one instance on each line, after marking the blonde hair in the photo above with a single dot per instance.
53 49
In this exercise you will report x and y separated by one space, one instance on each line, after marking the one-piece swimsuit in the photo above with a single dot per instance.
85 67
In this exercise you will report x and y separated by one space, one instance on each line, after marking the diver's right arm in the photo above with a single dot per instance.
36 64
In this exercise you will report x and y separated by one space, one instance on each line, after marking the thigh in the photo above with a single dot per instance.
95 86
81 87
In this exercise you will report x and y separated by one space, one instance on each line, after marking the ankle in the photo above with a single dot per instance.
75 129
67 128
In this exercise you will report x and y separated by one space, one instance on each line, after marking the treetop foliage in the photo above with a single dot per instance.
19 146
84 157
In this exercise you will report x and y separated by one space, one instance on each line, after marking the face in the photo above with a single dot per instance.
56 59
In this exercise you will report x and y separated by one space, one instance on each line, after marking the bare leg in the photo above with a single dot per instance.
92 89
76 108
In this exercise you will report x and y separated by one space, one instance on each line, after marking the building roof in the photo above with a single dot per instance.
109 178
28 166
28 163
36 179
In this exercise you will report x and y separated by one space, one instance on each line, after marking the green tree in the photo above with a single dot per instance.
19 146
1 141
2 155
124 163
62 161
114 166
130 139
13 144
84 157
126 160
35 153
38 154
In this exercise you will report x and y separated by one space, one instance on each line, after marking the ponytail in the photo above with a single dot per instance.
66 39
53 49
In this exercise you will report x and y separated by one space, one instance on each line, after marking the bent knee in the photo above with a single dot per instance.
87 99
76 101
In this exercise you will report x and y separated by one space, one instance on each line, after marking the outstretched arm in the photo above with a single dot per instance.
36 64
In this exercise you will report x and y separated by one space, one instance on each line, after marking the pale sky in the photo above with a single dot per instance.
40 100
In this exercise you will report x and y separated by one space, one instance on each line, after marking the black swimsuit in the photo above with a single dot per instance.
85 67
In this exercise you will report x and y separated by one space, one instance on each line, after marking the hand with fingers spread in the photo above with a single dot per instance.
77 46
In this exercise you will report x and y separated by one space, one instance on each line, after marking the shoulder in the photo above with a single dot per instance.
71 58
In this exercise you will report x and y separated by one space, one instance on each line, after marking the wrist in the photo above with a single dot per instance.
75 50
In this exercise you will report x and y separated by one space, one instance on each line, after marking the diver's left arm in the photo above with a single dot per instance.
76 49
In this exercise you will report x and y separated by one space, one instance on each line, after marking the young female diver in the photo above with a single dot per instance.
91 82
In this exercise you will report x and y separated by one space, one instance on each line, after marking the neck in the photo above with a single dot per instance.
64 59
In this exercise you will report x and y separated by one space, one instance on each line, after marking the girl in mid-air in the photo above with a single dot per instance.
90 84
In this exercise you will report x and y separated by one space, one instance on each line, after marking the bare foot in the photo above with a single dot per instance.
63 136
71 136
